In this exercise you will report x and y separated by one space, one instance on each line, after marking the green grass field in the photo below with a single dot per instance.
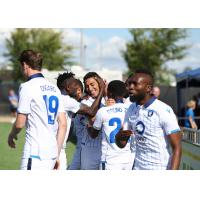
10 159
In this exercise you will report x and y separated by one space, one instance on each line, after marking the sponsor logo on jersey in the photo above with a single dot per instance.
140 127
140 139
150 113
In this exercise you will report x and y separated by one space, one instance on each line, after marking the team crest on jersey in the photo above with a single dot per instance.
140 127
150 113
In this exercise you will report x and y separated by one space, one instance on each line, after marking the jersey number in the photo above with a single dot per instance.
116 130
52 107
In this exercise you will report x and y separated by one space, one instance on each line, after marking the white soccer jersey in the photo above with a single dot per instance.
127 101
71 106
109 120
41 101
151 124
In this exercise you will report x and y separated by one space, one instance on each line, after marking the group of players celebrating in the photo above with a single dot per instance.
118 126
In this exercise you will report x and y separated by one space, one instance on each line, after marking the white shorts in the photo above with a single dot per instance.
90 157
63 160
37 164
116 166
76 161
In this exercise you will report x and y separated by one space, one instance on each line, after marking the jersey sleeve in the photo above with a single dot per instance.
61 104
24 100
98 120
169 121
127 123
70 104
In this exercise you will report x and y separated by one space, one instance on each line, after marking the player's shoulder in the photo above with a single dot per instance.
162 107
102 110
25 86
87 101
68 98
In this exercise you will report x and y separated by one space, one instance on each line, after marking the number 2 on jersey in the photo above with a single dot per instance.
116 130
52 107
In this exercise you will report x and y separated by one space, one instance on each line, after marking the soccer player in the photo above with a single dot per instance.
90 147
71 90
154 125
40 107
109 120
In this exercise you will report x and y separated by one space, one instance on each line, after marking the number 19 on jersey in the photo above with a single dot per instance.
51 103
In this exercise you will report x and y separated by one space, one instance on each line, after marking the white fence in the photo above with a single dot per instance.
191 135
191 149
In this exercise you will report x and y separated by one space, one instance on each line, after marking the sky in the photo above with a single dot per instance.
102 47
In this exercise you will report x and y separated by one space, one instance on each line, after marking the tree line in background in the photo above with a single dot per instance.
48 41
152 49
149 48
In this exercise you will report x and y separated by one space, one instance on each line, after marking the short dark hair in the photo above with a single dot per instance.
117 88
62 77
79 83
146 72
32 58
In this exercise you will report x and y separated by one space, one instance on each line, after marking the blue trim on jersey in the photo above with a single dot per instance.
103 165
35 76
33 156
175 131
148 103
119 101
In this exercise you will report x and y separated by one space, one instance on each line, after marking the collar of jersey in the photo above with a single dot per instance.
119 101
148 103
35 76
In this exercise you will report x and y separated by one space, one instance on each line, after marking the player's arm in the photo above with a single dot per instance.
62 127
91 111
175 141
17 126
95 124
92 132
192 122
122 137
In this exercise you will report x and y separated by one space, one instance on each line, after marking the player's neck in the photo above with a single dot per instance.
32 72
144 100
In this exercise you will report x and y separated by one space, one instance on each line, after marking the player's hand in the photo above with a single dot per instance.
105 87
11 138
101 83
85 97
122 137
122 134
57 165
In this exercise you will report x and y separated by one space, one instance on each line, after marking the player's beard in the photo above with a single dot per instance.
137 98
